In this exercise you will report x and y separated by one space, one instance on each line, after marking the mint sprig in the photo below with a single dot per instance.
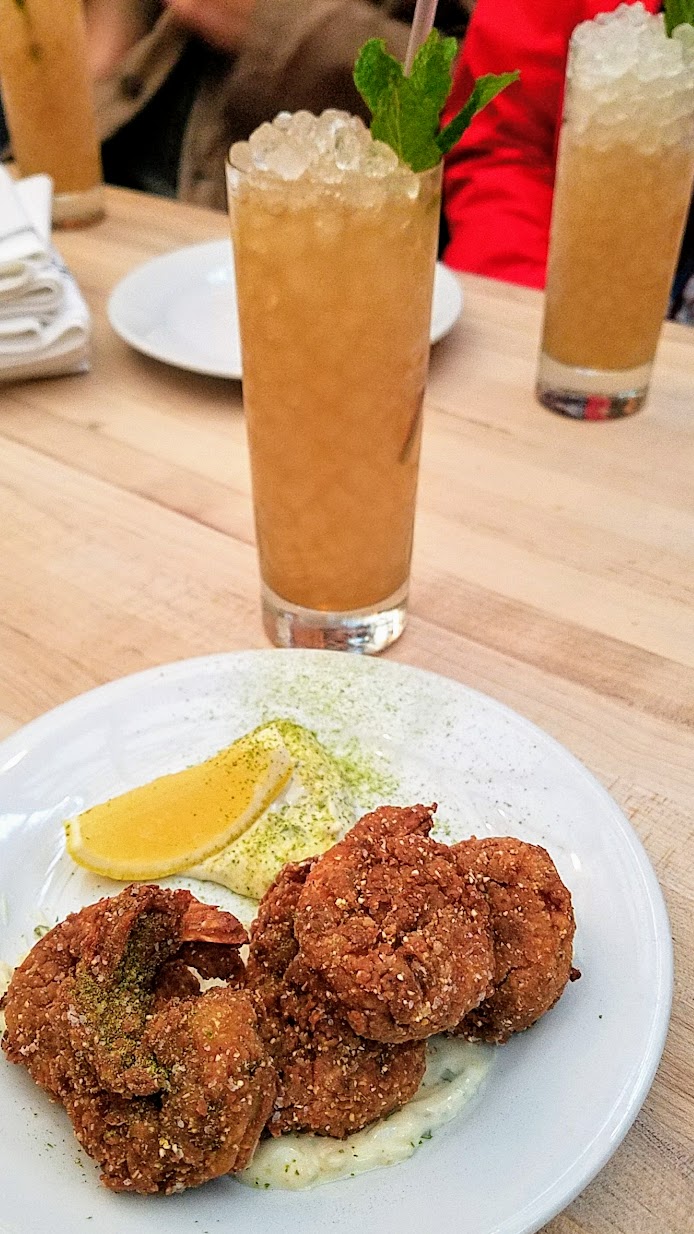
406 111
678 13
485 89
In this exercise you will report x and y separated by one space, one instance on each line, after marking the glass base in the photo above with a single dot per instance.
591 394
366 631
79 209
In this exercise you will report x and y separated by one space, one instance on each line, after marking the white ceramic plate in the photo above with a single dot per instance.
181 308
557 1100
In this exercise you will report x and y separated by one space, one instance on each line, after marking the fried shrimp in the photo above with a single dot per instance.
210 948
215 1095
395 930
532 925
331 1081
166 1086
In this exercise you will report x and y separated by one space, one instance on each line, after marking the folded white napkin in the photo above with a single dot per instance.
44 322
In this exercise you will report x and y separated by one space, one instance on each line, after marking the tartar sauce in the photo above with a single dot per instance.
455 1070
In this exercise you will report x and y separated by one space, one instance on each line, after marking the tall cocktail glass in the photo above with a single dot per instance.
335 248
47 98
623 187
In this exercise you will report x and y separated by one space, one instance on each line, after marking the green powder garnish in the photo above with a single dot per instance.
369 783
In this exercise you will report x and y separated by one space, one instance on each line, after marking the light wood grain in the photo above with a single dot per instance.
553 569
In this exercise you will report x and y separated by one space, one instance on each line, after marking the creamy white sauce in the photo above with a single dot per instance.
310 813
455 1070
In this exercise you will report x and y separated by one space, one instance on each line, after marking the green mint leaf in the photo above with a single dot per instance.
485 89
408 128
432 70
406 110
376 74
678 13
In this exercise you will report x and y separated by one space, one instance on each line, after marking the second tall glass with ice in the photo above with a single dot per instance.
624 181
335 248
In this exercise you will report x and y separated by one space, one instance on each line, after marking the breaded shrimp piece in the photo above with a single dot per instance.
216 1093
331 1081
397 933
532 924
103 1018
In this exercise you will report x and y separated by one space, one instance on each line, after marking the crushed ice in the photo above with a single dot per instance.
331 149
630 81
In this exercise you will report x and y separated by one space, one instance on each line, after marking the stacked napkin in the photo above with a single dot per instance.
44 321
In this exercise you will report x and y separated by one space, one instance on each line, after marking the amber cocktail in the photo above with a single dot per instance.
624 182
335 248
47 98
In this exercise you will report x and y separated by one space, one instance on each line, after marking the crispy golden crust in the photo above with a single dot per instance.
207 1117
533 926
166 1087
397 933
332 1082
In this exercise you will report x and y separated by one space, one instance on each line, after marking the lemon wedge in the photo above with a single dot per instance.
169 824
313 811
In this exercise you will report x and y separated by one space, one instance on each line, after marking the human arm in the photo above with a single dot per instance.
223 24
499 178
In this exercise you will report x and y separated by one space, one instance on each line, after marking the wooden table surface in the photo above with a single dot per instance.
553 569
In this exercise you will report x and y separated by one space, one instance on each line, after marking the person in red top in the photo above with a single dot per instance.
499 178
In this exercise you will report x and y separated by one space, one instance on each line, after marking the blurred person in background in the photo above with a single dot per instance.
177 81
500 177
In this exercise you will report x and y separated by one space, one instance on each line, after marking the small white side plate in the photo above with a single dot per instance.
181 308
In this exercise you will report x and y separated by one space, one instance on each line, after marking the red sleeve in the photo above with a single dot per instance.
499 178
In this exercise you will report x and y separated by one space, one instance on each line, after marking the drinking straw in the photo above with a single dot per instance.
422 24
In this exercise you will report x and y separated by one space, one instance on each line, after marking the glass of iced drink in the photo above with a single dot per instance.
47 98
624 182
335 248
